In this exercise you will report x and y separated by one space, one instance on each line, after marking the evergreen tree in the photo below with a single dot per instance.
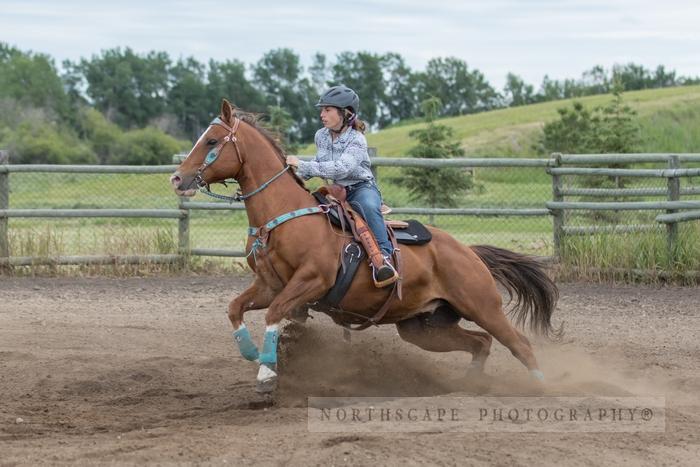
571 133
617 130
429 185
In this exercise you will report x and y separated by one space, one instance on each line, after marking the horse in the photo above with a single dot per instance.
295 258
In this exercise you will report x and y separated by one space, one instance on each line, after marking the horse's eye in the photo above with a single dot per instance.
211 142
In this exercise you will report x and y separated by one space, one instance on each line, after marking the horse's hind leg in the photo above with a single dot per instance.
440 332
493 320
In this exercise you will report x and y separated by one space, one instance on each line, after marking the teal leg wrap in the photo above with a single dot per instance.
537 374
245 344
269 353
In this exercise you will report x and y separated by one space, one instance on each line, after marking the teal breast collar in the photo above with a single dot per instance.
262 233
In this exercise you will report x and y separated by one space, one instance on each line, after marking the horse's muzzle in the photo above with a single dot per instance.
178 184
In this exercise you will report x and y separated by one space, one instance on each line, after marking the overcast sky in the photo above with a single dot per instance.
531 38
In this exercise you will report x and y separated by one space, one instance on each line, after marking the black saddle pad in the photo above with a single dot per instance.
414 234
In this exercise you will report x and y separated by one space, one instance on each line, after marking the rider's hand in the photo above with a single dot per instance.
293 161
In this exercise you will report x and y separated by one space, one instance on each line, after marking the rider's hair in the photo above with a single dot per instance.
357 124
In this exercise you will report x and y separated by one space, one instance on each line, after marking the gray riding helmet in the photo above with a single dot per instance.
341 97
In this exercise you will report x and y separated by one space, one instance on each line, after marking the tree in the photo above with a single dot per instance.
362 71
279 76
32 80
320 72
400 98
632 76
517 92
607 129
460 90
595 81
129 89
616 131
228 80
435 186
664 79
187 97
101 134
550 90
571 133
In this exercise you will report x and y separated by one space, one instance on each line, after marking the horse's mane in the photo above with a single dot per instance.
271 136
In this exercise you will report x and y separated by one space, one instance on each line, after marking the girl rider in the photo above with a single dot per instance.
342 157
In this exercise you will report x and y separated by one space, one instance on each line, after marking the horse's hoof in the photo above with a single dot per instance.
267 380
299 315
267 386
537 376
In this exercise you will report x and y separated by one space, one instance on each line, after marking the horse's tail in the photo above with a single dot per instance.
524 278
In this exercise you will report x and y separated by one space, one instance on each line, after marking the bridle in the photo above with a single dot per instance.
213 155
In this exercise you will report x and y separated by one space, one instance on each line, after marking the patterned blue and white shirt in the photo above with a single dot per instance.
345 160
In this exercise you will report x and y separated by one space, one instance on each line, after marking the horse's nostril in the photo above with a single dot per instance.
175 180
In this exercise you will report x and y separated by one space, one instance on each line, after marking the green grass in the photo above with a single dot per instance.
644 256
512 131
73 191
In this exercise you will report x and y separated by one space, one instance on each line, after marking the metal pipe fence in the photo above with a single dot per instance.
68 214
613 212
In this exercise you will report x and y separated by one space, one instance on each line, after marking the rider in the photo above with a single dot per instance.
342 157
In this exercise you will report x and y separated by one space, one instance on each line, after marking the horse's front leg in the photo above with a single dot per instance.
300 290
255 297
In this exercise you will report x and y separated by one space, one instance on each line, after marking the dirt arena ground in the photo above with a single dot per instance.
126 371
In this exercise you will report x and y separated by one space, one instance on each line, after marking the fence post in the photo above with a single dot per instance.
183 233
557 214
4 204
674 194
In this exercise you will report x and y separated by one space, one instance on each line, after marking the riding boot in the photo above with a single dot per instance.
386 274
383 272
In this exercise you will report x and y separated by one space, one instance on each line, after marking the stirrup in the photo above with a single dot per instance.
389 274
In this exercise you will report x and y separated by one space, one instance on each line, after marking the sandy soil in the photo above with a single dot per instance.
145 371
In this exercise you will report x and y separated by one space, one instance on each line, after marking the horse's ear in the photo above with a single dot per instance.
226 110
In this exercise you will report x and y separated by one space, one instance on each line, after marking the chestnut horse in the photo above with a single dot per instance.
296 258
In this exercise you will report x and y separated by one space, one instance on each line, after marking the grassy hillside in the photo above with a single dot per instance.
669 118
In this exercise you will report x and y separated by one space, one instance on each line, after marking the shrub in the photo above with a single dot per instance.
43 143
147 146
607 129
101 134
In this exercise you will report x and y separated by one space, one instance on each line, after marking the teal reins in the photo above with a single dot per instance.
240 196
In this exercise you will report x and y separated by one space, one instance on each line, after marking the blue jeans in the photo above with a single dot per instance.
366 199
